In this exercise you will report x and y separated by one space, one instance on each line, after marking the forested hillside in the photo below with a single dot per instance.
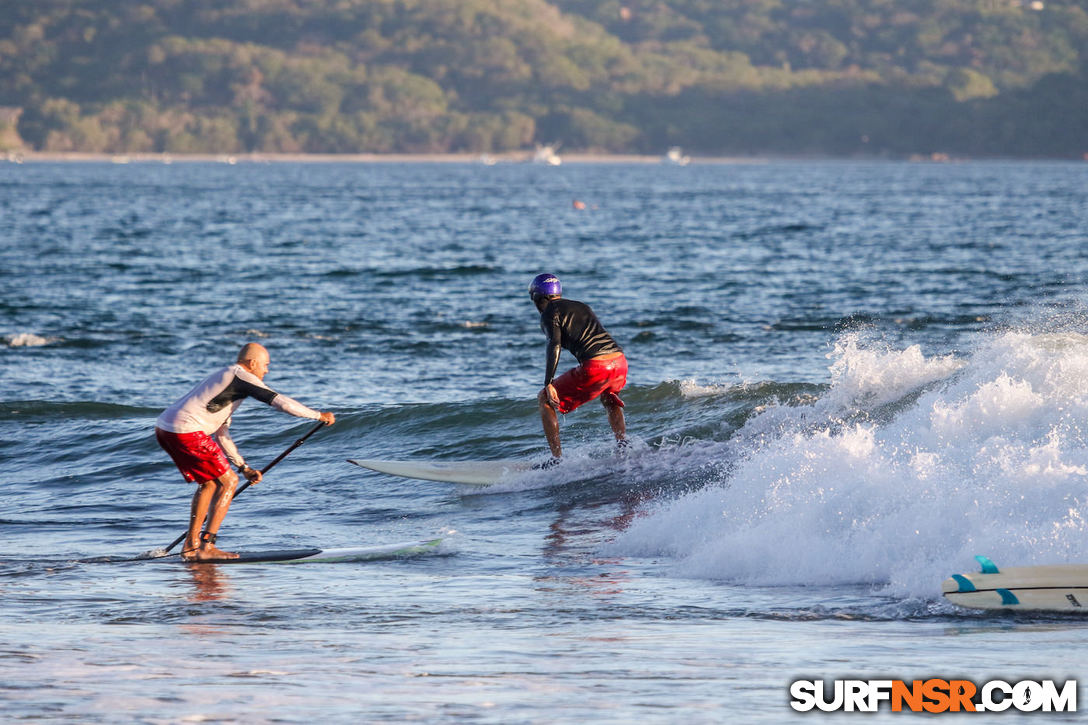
839 77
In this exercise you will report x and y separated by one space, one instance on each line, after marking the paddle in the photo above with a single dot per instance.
247 484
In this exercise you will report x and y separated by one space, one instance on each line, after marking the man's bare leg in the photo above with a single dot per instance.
198 510
550 420
212 500
615 419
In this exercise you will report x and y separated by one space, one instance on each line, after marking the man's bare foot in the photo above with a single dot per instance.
211 552
207 553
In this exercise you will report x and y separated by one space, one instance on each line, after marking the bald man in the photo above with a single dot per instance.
195 431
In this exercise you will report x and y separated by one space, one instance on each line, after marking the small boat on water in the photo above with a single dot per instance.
546 154
675 156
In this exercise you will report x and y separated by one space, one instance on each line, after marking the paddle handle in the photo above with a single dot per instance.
280 457
266 469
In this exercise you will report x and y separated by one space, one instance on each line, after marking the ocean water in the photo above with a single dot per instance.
847 379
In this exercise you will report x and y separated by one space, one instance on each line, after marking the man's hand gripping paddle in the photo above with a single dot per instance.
156 553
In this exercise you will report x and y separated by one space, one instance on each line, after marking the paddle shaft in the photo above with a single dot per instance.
264 470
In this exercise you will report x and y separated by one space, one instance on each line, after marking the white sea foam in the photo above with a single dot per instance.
689 388
27 339
863 377
982 455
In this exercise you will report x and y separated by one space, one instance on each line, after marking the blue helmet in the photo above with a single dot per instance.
545 285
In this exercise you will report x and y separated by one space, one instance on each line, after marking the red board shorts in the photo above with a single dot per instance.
603 377
198 457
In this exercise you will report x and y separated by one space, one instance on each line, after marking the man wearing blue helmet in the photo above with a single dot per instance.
602 369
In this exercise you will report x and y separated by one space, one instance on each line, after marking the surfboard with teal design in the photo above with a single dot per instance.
1055 588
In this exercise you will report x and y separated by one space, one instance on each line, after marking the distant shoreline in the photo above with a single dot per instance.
497 158
516 157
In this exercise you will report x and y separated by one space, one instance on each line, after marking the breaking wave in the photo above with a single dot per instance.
901 471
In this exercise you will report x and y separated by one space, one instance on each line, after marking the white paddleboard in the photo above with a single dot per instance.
1057 588
308 556
475 473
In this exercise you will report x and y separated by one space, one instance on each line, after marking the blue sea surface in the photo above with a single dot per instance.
846 379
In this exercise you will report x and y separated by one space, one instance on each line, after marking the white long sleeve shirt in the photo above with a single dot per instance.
209 406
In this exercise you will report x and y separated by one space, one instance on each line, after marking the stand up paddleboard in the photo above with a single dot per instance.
309 556
474 473
1058 588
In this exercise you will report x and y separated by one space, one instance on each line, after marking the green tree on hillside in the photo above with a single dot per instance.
867 77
